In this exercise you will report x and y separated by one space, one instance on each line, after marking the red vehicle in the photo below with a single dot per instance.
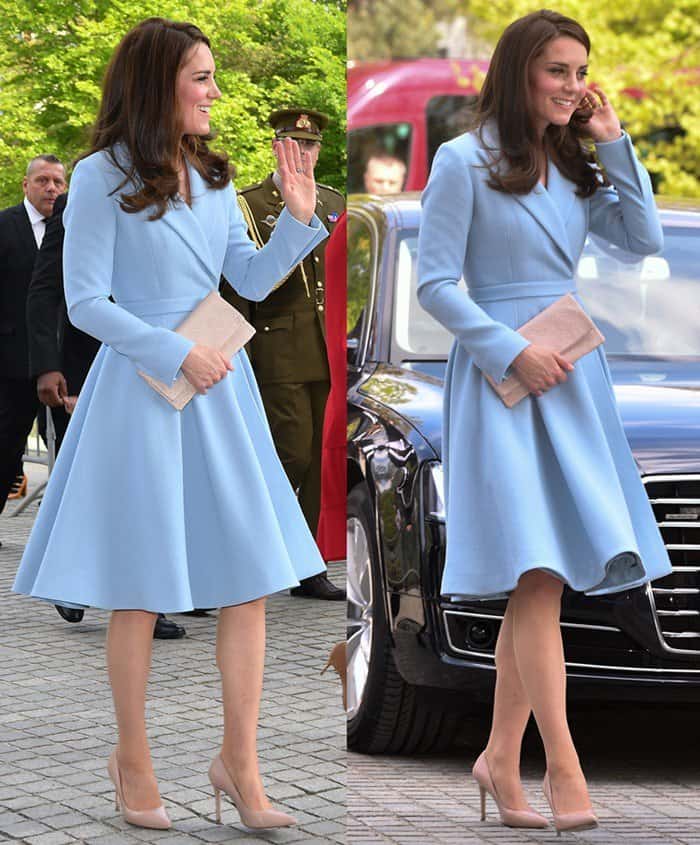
405 110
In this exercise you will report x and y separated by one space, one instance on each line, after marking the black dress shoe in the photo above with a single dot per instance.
198 611
166 629
70 614
319 587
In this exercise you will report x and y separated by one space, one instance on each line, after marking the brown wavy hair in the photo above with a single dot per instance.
139 112
505 99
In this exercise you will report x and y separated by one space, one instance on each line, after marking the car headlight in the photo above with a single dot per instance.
433 492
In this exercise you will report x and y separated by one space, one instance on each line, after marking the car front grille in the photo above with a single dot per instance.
676 598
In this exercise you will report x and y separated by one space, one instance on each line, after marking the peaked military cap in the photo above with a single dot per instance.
298 123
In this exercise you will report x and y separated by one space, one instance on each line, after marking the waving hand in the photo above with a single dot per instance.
297 174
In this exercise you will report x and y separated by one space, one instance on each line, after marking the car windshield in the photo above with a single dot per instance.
645 306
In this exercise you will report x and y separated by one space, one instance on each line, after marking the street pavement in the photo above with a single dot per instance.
57 723
642 766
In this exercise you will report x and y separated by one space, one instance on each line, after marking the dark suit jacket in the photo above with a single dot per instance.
54 342
17 254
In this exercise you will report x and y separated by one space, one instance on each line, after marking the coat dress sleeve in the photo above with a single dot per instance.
448 206
253 272
624 213
90 221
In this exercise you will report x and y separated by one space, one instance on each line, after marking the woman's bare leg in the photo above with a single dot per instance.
511 712
539 653
129 643
240 656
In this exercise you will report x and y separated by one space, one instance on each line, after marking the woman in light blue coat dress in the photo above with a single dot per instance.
152 222
545 493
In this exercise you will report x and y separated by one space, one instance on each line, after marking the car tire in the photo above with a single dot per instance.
390 716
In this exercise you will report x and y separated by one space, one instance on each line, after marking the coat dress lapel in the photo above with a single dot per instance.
550 206
195 225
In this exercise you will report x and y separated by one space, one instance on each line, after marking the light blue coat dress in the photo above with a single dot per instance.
148 507
549 484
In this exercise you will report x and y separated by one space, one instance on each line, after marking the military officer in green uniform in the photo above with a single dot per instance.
288 351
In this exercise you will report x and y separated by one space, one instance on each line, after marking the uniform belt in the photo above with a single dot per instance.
306 308
520 290
151 307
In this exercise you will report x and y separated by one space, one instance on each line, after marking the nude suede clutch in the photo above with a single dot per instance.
212 323
563 326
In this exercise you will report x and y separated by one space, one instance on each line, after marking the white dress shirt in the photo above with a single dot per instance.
36 218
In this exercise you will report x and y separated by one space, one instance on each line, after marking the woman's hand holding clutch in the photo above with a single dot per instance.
297 175
540 368
204 366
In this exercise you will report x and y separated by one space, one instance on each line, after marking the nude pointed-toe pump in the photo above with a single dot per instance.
509 816
579 820
156 818
255 819
338 660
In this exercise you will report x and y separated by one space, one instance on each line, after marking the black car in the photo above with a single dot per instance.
419 664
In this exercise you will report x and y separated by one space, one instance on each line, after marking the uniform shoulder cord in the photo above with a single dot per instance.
250 221
257 239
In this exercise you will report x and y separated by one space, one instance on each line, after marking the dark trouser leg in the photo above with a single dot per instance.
60 424
310 487
18 407
288 409
295 413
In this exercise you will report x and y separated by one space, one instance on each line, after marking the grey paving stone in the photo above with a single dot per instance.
55 837
88 830
66 819
23 828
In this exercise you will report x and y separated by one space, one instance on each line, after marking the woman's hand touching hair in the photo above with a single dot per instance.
296 172
204 366
540 368
598 116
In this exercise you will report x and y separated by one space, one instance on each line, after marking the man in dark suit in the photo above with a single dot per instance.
21 233
60 356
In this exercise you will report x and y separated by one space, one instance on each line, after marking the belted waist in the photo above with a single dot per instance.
151 307
520 290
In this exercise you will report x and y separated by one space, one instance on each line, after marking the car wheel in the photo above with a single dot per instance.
385 714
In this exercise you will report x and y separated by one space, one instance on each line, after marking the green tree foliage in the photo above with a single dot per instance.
392 29
269 54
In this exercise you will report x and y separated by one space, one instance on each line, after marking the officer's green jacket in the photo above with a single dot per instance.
289 344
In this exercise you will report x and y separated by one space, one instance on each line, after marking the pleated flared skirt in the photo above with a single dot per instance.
154 509
549 484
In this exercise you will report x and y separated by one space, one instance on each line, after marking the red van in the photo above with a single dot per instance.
405 110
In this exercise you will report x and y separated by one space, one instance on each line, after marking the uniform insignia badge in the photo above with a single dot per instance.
303 122
270 220
333 217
